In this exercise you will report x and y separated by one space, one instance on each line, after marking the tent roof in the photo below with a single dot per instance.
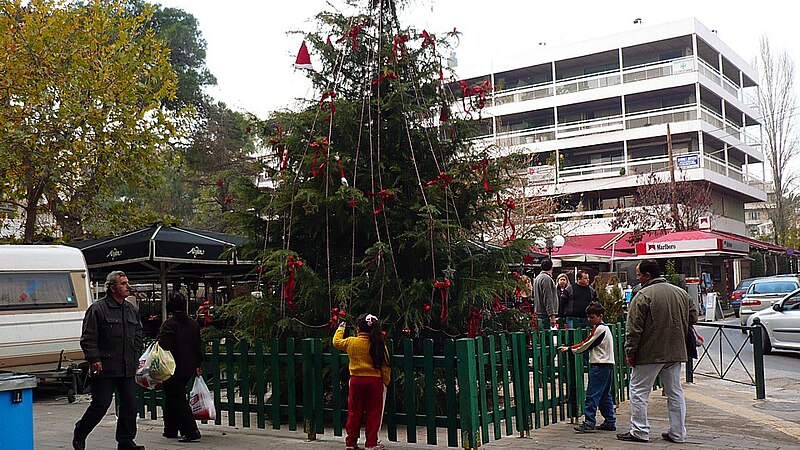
180 252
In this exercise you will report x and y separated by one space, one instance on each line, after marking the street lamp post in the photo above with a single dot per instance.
553 243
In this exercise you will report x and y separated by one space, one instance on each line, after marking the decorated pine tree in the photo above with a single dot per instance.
378 201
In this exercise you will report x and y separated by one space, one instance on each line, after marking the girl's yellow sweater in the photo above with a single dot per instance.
357 349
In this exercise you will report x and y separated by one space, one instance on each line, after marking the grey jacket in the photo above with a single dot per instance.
545 299
658 320
112 334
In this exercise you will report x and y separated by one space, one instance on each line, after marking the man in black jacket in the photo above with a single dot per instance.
578 296
112 342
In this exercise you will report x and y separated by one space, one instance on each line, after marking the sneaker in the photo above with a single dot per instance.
628 437
606 427
584 428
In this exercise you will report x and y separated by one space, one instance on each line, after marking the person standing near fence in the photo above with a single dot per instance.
655 346
181 336
600 345
545 299
578 297
111 340
370 373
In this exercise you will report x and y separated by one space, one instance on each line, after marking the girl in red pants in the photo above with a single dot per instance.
369 375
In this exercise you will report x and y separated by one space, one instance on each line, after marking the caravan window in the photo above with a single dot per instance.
29 290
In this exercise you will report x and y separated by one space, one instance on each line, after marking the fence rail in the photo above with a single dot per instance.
476 389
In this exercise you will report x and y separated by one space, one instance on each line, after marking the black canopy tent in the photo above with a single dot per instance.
154 253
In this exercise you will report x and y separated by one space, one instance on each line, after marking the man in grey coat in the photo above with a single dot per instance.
655 345
545 298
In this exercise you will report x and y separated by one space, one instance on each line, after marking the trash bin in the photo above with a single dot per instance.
16 411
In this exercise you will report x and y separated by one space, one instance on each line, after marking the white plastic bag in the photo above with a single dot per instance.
201 401
143 377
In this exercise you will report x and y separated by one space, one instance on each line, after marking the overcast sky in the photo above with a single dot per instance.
251 54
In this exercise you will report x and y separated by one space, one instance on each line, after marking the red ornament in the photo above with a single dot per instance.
220 182
444 291
288 290
528 259
352 203
406 332
426 307
228 199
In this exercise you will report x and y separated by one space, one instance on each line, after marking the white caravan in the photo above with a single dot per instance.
44 293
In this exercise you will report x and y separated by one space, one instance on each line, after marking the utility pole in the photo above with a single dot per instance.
673 200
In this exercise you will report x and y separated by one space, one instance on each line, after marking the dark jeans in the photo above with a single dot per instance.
177 413
598 393
102 394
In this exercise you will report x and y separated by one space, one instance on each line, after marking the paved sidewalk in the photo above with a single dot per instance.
719 415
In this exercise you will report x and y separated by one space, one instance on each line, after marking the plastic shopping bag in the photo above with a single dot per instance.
162 364
201 401
143 377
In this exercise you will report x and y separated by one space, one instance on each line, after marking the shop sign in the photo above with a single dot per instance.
687 161
732 245
651 248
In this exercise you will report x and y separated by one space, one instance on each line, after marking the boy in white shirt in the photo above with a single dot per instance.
600 345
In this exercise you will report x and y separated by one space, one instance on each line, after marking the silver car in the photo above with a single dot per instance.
780 325
763 292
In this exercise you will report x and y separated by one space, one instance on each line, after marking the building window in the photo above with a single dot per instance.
753 215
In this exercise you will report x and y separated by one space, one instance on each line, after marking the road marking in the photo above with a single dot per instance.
778 424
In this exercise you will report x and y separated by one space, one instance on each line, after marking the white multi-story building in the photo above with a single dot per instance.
593 116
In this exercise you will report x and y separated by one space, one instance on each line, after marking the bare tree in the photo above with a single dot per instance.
653 210
777 103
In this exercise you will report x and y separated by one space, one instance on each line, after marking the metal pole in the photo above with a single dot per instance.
758 358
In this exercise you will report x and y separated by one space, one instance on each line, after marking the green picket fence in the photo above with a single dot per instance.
472 389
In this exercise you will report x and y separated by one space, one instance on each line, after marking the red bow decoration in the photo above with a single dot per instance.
444 178
444 291
399 43
353 33
328 41
474 322
517 290
329 94
321 146
483 165
507 222
384 195
336 313
479 92
288 290
204 309
352 203
497 306
389 75
279 147
428 39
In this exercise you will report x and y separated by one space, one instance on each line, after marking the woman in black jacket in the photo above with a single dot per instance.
181 336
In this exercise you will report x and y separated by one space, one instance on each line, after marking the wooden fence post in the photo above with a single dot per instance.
467 393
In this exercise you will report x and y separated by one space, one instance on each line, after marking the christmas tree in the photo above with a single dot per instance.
378 201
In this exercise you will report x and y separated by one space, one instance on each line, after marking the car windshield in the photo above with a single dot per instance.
773 287
744 284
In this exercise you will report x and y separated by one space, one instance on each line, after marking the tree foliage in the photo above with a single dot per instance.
81 88
652 210
376 195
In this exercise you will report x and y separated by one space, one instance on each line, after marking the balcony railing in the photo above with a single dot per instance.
587 82
708 71
524 93
592 126
658 69
591 171
661 116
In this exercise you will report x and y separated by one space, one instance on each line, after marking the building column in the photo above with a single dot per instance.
727 165
701 148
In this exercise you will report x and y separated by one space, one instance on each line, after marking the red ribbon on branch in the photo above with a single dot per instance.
279 147
444 178
399 43
204 309
353 34
388 76
477 92
474 322
444 291
510 205
497 306
428 39
384 195
288 290
483 165
321 146
336 313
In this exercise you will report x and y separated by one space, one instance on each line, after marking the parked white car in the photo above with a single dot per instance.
780 324
764 292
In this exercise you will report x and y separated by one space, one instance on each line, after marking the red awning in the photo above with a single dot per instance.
753 242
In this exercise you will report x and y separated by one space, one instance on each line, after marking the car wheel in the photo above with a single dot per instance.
766 345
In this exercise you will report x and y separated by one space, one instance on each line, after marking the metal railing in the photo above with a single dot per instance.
715 350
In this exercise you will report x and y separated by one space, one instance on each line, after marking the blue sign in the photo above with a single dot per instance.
687 161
